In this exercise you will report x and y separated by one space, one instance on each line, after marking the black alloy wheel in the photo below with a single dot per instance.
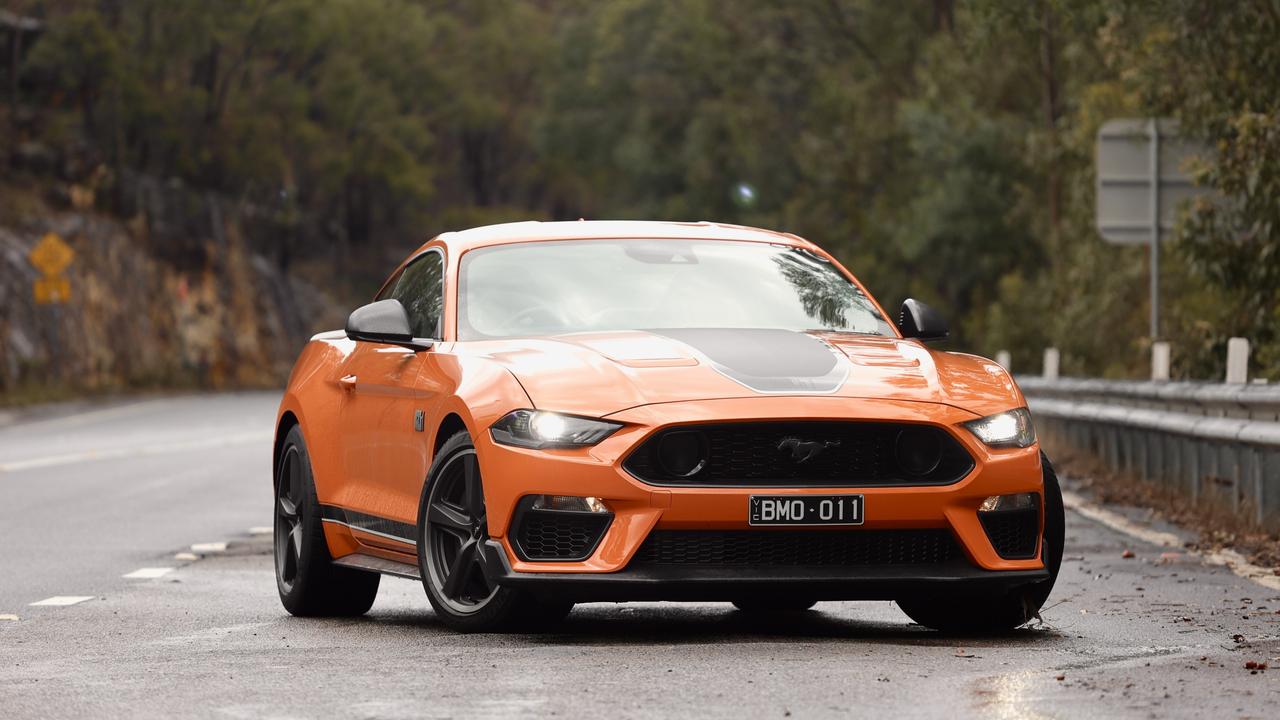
288 524
306 578
457 528
453 526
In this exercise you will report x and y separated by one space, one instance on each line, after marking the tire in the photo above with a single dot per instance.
1010 610
310 585
452 530
767 604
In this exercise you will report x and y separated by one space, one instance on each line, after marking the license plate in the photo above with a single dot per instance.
805 510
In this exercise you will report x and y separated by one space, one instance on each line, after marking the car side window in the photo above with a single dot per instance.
420 289
389 286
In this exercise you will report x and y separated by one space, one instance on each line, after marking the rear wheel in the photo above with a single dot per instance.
1012 609
774 604
308 581
452 530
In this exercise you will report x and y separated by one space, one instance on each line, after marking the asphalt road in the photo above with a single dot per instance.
92 494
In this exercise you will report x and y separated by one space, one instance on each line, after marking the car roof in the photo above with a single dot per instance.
533 231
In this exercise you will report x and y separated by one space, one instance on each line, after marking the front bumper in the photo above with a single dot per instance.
730 583
512 473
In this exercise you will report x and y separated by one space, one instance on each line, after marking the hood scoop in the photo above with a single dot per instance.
880 352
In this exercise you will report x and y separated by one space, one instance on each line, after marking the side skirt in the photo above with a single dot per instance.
369 563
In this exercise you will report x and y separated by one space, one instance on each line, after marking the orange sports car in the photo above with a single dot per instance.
534 415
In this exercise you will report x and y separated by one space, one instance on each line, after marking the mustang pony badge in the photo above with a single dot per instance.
805 450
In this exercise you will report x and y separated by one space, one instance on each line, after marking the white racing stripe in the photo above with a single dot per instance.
62 600
1231 559
148 573
135 451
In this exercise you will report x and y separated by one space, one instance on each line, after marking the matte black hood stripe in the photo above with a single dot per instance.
765 360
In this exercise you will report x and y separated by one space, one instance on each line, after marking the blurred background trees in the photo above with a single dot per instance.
942 149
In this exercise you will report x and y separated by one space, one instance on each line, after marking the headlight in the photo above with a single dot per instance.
1007 429
540 429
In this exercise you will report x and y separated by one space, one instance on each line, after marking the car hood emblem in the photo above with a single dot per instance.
805 450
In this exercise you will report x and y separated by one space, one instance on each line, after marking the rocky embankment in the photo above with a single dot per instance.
140 314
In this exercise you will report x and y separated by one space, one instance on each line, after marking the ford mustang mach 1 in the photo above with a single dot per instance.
533 415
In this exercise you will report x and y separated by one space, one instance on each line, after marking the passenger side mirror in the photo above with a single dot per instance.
384 321
918 320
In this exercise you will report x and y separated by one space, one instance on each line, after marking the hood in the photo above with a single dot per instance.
596 374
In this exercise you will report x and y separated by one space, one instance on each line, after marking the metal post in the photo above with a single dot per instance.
1050 370
1237 361
1160 361
1154 131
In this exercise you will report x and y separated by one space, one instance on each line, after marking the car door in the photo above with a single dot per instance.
383 396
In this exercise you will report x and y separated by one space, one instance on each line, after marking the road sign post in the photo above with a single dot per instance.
51 256
1140 185
1153 135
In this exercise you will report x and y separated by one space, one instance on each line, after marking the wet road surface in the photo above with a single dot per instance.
86 499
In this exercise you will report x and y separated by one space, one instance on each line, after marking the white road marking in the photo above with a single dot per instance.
261 530
216 633
62 600
1116 521
210 547
148 573
186 556
1230 559
8 618
135 451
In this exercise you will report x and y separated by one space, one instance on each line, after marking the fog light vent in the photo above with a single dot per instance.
558 527
1012 524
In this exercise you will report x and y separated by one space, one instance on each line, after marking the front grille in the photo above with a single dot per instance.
1015 534
558 535
797 548
763 454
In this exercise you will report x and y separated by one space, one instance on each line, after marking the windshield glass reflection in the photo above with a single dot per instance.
549 288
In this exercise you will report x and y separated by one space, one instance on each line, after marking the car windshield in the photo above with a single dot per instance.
549 288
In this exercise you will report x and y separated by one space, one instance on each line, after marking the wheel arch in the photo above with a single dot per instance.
450 425
288 421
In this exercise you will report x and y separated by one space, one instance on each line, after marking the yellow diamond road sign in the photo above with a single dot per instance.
51 255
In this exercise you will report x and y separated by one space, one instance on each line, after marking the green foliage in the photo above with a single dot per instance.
943 150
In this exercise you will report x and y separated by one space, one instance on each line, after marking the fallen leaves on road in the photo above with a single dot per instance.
1253 666
1127 554
960 653
1217 528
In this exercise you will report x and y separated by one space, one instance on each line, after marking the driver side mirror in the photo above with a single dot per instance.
384 321
918 320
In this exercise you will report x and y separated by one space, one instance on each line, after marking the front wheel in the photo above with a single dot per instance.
452 530
1012 609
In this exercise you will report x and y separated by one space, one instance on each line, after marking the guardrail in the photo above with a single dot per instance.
1215 442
